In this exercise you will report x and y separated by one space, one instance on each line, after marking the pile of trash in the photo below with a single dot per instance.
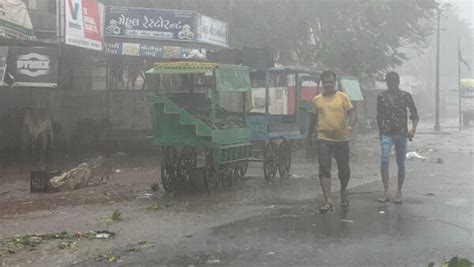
415 155
31 242
95 172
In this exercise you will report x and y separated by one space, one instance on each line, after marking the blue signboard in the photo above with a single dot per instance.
148 50
150 23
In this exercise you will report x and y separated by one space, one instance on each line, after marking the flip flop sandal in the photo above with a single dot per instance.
383 200
325 208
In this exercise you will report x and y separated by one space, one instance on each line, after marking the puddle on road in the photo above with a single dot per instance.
352 223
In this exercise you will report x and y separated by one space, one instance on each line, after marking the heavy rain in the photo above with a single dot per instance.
236 133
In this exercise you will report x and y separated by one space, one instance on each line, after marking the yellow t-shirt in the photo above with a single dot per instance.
331 111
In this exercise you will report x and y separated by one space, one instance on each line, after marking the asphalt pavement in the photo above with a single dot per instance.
435 222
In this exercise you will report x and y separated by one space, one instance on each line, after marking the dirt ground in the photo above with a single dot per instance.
149 218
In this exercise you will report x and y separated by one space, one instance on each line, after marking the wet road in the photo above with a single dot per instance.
435 221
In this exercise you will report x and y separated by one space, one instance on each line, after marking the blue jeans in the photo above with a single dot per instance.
400 142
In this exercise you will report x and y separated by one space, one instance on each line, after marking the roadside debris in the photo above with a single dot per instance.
453 262
99 234
67 244
414 155
115 217
156 206
103 234
95 172
144 195
430 194
271 253
139 246
109 258
31 242
213 261
428 150
39 181
381 212
347 221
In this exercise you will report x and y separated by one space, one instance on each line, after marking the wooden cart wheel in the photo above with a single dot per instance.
284 159
226 176
211 177
270 160
168 166
188 163
240 169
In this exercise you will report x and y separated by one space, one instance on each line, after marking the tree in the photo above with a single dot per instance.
364 38
361 38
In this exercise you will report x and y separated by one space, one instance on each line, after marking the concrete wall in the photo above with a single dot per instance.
128 111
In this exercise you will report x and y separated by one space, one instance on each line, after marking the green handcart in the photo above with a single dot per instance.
196 133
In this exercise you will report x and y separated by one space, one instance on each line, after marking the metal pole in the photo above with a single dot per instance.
59 40
459 84
297 93
436 126
58 21
267 101
214 99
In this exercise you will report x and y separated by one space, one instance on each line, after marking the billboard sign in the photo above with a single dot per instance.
147 23
32 66
212 31
83 24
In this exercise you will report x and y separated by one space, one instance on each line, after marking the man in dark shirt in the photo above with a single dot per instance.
392 120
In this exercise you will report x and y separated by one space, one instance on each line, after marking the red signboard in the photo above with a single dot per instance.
82 24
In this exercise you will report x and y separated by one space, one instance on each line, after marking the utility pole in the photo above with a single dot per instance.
459 84
436 126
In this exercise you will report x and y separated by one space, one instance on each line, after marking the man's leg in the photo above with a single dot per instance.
386 143
325 156
341 154
400 142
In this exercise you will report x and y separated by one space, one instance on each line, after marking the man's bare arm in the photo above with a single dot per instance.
353 117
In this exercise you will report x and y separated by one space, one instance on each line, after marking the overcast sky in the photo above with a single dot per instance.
465 9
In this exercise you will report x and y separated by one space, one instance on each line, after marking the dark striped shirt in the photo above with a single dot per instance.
392 112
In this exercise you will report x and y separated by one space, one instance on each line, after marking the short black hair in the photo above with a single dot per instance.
392 76
328 73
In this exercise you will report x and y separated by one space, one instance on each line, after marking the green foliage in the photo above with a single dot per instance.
453 262
361 37
116 216
31 242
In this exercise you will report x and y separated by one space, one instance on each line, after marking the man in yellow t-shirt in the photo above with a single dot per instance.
329 112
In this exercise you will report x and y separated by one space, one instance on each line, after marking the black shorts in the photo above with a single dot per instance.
340 151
